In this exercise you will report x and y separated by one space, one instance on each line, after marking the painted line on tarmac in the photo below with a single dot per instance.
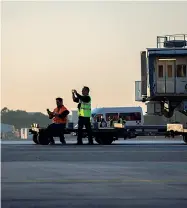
111 151
68 151
119 143
96 147
85 146
96 181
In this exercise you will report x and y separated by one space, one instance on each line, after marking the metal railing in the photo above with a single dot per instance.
163 41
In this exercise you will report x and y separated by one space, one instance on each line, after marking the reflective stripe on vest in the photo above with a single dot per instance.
85 109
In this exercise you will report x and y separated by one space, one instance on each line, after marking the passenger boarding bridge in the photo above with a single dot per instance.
164 75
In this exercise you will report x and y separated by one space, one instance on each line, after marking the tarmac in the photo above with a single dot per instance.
145 172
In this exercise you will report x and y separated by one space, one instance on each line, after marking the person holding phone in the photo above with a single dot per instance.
59 118
84 113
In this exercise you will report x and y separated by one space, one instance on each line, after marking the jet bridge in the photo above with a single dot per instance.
164 75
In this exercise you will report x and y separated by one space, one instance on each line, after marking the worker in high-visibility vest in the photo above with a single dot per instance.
84 113
59 118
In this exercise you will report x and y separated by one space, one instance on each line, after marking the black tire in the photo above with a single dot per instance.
168 114
35 139
185 138
125 137
104 140
43 138
131 134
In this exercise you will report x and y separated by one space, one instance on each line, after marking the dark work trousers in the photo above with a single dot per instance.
84 121
56 130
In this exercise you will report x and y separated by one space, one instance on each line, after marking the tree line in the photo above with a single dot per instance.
22 119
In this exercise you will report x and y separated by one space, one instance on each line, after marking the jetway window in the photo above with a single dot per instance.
181 70
160 71
170 71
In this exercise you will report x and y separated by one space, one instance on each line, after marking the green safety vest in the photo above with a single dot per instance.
85 109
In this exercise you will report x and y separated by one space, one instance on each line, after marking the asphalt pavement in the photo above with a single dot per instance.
133 173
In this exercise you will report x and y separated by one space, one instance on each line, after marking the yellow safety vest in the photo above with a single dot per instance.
85 109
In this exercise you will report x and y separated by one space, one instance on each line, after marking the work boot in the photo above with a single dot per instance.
51 141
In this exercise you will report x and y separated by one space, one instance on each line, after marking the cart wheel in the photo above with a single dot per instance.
104 140
168 114
35 139
43 138
131 133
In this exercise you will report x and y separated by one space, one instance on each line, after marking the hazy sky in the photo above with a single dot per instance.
49 48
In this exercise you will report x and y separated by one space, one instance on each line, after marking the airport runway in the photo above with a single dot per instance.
133 173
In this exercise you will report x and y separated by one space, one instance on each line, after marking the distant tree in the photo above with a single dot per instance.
22 119
4 110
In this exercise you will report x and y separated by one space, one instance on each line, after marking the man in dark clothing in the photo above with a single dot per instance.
59 116
84 112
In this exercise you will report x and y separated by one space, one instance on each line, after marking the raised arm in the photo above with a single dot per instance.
85 99
75 99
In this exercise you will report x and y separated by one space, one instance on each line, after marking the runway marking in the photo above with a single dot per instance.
68 151
96 181
117 143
